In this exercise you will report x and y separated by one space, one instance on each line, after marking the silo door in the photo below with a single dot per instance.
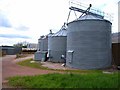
70 56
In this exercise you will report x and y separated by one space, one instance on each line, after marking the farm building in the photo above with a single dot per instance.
10 50
116 48
115 53
32 46
116 42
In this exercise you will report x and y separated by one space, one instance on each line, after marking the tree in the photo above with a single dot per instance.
21 44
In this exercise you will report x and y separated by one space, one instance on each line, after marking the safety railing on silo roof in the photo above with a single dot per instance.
107 16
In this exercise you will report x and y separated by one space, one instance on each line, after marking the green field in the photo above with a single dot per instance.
87 80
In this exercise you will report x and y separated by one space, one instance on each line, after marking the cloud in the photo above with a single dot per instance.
28 18
22 28
4 22
14 36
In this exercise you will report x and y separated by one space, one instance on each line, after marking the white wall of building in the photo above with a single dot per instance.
119 16
32 46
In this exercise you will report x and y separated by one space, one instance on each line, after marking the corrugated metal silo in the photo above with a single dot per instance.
57 45
89 43
43 43
42 51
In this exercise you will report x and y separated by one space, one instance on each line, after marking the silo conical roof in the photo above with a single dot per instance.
61 32
46 36
89 16
50 34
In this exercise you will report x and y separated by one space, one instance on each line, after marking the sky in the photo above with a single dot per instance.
27 20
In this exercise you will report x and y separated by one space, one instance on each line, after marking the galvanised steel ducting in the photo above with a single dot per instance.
89 43
57 45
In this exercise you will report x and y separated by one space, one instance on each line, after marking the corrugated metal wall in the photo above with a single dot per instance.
43 44
57 47
10 50
89 44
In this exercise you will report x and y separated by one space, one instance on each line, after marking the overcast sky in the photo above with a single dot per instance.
27 20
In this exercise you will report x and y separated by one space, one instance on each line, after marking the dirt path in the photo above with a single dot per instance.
10 68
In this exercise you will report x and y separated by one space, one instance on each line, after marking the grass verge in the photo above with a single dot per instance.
21 55
33 65
38 65
89 80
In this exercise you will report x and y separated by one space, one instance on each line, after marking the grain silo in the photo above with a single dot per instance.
42 50
89 43
57 45
43 43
